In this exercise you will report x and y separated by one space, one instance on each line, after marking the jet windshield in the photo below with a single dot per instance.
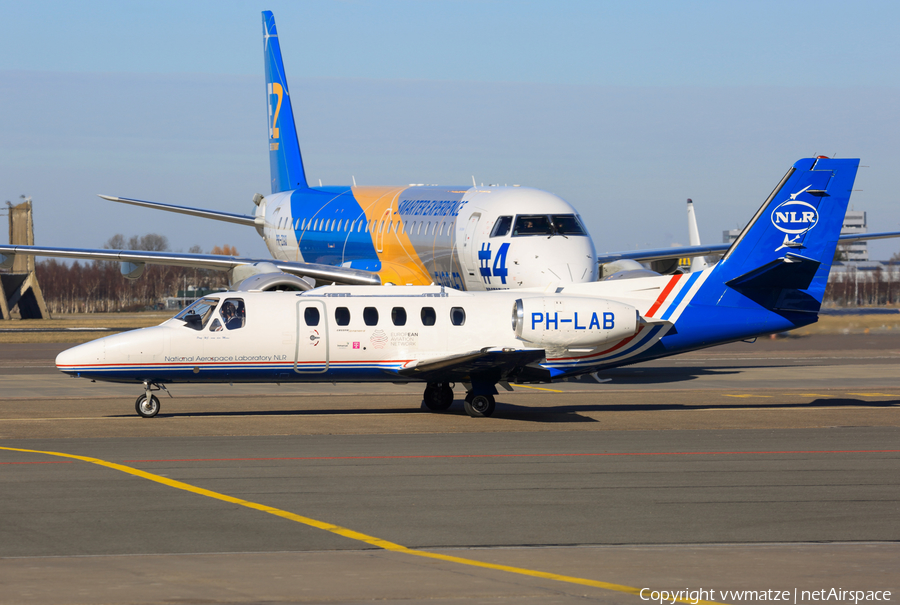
197 315
548 224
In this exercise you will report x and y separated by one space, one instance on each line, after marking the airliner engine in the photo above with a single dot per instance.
573 322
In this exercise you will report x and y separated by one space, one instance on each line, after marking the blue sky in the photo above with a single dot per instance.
624 109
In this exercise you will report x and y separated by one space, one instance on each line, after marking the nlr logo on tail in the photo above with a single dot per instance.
795 217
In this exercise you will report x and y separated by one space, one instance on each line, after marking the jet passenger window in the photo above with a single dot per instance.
457 316
370 316
233 313
198 314
342 316
501 227
311 316
428 316
398 316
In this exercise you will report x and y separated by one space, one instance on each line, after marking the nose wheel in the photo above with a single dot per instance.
147 407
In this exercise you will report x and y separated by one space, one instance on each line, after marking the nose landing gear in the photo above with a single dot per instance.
147 405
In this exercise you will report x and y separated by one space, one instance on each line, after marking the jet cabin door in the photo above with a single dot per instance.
311 353
468 254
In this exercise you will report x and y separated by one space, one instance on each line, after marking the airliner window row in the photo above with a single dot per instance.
370 316
348 226
525 224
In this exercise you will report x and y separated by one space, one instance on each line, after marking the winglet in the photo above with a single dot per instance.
285 161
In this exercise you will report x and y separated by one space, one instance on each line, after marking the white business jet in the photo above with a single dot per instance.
440 336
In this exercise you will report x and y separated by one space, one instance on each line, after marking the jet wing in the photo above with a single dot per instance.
228 217
325 273
690 251
487 364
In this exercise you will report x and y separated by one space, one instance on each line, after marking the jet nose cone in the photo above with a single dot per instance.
76 359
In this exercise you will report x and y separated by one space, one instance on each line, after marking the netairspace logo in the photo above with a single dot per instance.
694 597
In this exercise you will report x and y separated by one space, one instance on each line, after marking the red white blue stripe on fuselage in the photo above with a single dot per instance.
671 303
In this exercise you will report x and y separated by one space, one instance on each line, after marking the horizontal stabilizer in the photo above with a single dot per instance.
488 364
228 217
790 271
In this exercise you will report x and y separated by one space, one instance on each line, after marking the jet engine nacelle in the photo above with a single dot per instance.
573 322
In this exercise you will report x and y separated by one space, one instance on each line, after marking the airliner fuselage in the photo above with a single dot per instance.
470 238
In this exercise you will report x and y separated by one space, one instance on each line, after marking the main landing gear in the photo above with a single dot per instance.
478 406
147 405
439 396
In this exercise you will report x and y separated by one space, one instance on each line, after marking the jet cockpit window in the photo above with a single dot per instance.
233 313
198 314
501 227
567 224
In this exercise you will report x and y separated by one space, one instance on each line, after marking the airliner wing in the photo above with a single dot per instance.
498 364
324 273
689 251
228 217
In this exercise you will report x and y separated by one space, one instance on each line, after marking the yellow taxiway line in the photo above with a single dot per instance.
348 533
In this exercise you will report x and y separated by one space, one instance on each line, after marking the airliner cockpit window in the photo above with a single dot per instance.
197 315
532 224
501 227
542 224
233 314
567 224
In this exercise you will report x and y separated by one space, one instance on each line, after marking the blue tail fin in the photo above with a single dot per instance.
285 162
782 258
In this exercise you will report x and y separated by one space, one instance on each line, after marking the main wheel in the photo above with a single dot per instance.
147 409
478 406
438 398
446 396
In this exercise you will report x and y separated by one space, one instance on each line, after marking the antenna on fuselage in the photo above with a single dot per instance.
320 182
473 182
354 180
